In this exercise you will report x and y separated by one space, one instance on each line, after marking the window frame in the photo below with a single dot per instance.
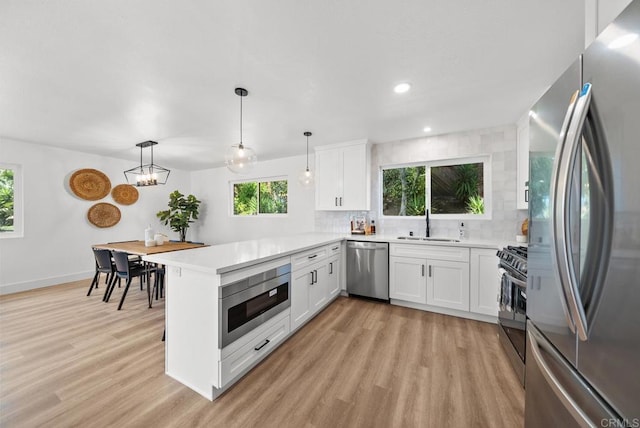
18 201
486 176
257 181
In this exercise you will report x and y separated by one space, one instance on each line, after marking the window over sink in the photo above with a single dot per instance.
260 197
452 188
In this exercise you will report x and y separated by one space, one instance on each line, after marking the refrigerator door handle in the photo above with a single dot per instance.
568 402
556 188
573 139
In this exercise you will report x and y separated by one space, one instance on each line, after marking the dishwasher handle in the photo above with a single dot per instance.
359 245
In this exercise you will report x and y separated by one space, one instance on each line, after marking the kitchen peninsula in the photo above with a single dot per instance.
310 271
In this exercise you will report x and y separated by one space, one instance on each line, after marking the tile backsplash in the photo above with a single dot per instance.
499 143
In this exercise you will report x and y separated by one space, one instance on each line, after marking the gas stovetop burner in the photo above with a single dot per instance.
514 259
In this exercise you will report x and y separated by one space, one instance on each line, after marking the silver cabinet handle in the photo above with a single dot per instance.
331 268
422 269
340 200
313 256
311 273
429 271
336 201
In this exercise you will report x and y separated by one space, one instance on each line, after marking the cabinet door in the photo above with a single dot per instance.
333 277
318 290
407 279
328 179
484 282
300 298
448 284
355 187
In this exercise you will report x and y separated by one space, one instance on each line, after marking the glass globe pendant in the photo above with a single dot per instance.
306 177
239 158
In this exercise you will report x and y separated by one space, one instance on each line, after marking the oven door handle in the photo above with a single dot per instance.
520 283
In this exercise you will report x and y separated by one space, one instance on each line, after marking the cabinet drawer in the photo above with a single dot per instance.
245 357
435 252
334 248
306 258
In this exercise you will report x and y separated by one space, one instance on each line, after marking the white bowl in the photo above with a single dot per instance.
151 243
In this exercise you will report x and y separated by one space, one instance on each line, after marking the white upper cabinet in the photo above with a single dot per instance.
522 150
343 176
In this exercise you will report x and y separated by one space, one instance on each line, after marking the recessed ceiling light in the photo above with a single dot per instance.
622 41
427 129
401 88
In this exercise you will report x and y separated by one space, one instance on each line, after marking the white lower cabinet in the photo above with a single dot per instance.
407 280
318 289
485 282
300 299
260 344
315 281
448 284
333 277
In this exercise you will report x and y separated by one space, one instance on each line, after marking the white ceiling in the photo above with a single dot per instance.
101 76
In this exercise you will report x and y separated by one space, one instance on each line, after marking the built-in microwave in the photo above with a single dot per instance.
246 304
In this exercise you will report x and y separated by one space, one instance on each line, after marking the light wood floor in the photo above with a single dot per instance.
70 360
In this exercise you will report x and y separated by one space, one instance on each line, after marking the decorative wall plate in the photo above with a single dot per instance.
125 194
104 215
90 184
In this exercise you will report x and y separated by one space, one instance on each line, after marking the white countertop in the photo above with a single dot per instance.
223 258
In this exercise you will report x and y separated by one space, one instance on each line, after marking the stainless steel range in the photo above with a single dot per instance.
512 317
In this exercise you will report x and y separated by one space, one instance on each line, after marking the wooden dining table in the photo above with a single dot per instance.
137 248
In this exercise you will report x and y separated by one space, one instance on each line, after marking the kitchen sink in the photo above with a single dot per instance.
417 238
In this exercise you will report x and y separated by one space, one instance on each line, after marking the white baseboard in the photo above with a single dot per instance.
17 287
446 311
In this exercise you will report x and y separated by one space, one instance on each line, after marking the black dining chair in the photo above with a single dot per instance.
127 271
104 264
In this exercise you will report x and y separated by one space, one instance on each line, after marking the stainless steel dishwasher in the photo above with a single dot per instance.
368 269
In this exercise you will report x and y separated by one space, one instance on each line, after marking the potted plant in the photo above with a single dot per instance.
182 211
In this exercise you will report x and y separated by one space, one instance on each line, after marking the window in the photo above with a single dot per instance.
10 201
403 191
457 189
260 197
452 188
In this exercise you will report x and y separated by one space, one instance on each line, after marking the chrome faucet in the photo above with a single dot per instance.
427 218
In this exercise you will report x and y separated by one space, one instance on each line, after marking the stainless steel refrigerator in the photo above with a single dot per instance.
583 287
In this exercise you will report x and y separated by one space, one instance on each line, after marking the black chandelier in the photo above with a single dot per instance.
148 174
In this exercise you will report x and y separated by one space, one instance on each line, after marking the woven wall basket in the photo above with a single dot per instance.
90 184
104 215
125 194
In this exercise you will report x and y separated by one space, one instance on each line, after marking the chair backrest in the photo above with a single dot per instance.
103 259
122 261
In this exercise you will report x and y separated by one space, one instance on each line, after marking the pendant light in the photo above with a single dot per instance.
240 158
306 176
149 174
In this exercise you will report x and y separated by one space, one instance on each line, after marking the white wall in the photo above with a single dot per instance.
56 246
217 225
499 143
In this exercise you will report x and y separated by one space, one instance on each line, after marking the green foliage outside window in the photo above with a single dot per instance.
6 200
266 197
403 191
454 189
